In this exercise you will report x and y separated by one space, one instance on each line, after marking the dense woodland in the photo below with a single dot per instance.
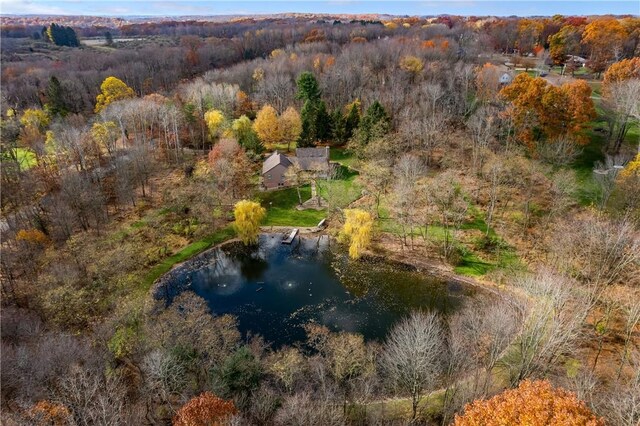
122 158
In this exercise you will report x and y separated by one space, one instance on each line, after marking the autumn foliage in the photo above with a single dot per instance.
541 111
248 215
622 71
267 126
32 236
204 410
357 231
533 403
49 413
112 89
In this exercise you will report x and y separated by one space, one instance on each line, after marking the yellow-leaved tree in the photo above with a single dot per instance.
411 64
248 215
214 119
36 119
112 89
105 134
267 126
357 231
290 126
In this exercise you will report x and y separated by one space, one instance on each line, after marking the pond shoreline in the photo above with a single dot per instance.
425 265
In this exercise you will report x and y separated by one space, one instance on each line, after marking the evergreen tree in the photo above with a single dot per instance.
339 126
55 104
62 36
323 122
352 120
308 118
108 38
308 88
374 123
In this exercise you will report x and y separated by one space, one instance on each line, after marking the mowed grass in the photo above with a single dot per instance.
282 204
343 190
186 253
342 156
281 208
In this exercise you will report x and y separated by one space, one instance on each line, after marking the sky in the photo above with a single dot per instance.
188 7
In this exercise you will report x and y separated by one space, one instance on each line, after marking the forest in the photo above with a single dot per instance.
500 152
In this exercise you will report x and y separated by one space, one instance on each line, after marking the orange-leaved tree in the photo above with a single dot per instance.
204 410
605 36
267 126
626 69
541 111
533 403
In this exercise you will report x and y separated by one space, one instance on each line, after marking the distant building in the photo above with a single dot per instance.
275 167
506 78
578 60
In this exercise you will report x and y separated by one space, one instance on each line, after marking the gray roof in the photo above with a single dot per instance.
312 158
506 78
275 159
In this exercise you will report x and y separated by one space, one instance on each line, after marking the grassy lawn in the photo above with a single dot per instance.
475 258
187 253
281 204
282 147
342 156
281 208
343 190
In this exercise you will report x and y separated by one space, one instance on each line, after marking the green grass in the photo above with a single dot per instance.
471 261
281 204
342 156
344 190
187 253
281 208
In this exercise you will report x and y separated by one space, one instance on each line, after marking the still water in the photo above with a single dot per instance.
274 289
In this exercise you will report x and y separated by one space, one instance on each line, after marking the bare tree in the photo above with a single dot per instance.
376 177
412 355
597 250
445 195
552 327
606 174
482 126
632 312
408 171
620 103
94 398
305 409
560 151
622 403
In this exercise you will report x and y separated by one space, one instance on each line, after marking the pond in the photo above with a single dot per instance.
275 289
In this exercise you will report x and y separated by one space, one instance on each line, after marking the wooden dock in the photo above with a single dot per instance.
291 237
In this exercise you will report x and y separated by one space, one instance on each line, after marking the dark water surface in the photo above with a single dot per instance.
275 289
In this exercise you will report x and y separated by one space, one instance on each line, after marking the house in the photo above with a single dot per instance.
579 61
275 167
506 78
313 160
